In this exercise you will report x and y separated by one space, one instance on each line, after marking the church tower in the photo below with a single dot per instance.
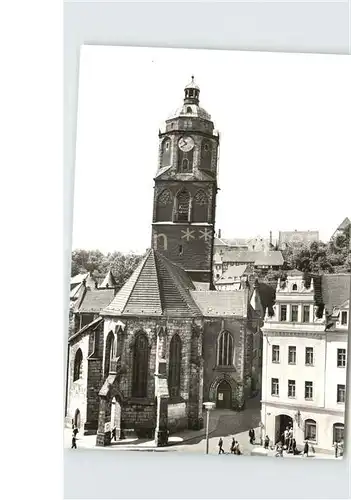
186 187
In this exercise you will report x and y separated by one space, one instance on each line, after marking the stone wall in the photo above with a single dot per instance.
213 374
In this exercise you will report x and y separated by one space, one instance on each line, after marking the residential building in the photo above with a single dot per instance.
304 360
259 261
296 238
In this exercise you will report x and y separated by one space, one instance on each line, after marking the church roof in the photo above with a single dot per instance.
345 224
78 278
157 287
335 290
226 303
109 281
95 300
184 111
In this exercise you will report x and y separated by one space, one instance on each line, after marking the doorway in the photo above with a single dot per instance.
281 423
224 395
116 417
77 419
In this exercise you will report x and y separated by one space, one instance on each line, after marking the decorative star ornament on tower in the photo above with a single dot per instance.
188 234
206 234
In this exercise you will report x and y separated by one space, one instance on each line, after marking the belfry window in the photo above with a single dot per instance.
225 349
175 358
140 366
182 207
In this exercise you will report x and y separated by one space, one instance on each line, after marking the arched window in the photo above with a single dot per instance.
140 366
164 206
185 165
310 430
225 349
206 155
200 207
109 353
294 287
175 358
189 110
338 432
166 152
182 206
78 365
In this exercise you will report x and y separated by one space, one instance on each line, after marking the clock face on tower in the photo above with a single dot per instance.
186 144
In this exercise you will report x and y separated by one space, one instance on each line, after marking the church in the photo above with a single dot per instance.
144 358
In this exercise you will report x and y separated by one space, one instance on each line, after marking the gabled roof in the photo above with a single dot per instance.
95 300
156 288
335 290
78 278
345 224
109 281
226 303
262 258
232 274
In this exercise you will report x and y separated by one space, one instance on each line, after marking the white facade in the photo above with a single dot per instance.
304 368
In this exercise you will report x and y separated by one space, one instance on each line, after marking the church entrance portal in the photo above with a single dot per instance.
281 423
116 417
224 395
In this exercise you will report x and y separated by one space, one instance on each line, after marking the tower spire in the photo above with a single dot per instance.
192 92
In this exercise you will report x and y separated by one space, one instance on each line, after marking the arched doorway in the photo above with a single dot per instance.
77 418
224 395
281 423
116 417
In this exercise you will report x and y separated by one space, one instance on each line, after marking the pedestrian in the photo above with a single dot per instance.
75 431
279 449
286 437
305 449
74 441
220 446
294 449
232 447
290 439
114 434
251 436
266 443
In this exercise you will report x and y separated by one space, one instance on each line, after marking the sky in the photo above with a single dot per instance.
284 124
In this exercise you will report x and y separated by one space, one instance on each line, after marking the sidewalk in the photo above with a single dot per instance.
89 442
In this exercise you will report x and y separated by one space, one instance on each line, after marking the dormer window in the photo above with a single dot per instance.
294 287
344 318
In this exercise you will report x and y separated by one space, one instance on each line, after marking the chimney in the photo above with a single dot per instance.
219 233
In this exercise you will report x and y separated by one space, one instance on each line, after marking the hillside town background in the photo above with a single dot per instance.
295 250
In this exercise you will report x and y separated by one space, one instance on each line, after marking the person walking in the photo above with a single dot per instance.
266 442
232 447
74 441
252 436
305 449
220 446
114 434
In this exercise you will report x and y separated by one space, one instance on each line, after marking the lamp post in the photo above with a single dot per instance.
208 407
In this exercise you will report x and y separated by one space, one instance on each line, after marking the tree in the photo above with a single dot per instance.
98 264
